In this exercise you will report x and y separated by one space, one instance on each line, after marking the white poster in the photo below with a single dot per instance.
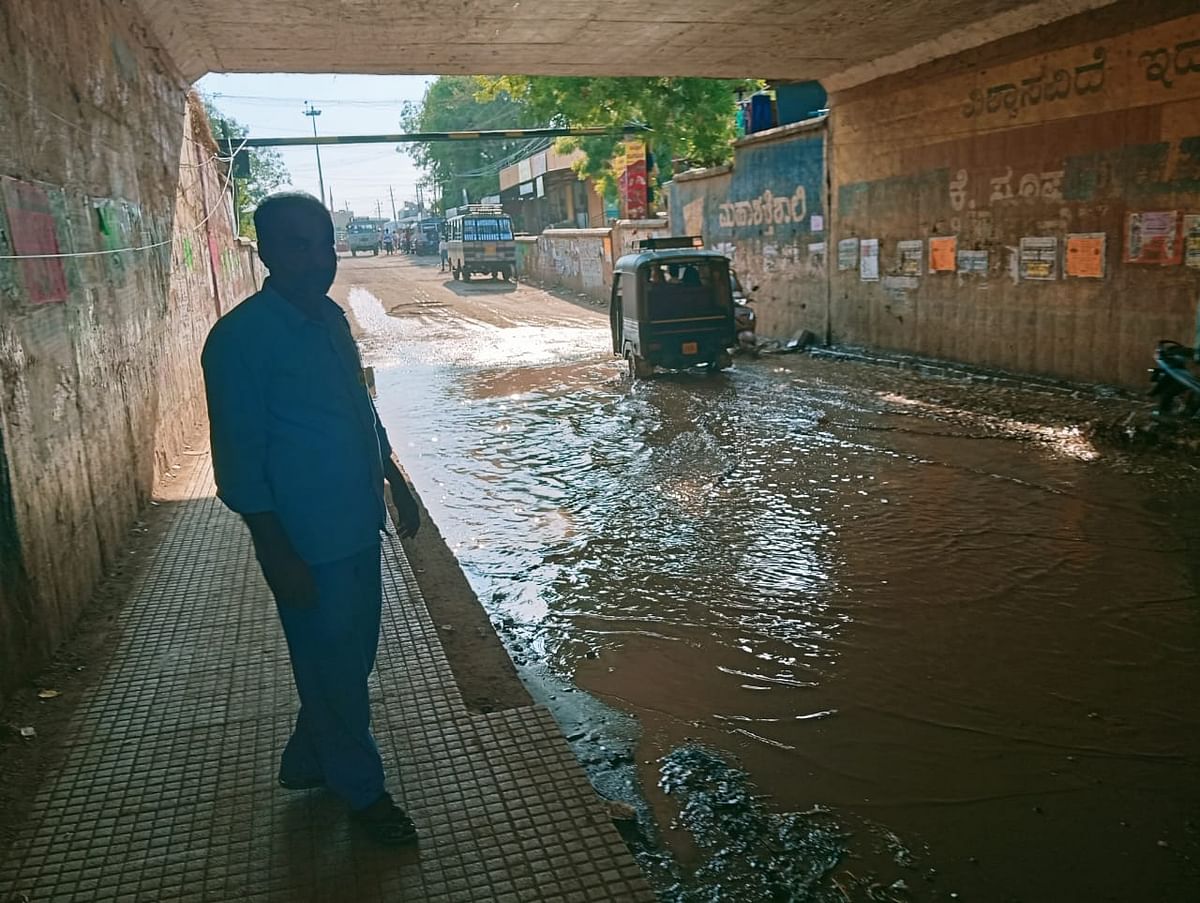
973 263
818 223
1038 259
848 254
1191 241
868 267
912 257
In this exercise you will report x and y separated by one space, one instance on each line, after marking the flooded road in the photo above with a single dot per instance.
961 650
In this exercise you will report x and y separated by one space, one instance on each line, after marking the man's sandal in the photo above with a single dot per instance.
386 823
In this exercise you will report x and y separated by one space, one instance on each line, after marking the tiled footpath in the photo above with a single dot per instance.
167 791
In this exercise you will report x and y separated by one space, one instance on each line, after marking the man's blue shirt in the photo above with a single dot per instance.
293 428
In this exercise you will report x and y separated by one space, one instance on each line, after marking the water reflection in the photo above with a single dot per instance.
955 625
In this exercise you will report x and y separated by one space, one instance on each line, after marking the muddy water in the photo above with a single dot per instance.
970 645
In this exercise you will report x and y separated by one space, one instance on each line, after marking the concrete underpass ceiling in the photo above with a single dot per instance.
842 42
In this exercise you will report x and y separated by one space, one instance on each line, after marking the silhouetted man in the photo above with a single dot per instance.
300 454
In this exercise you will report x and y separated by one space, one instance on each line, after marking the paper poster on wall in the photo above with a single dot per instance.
1085 255
817 223
973 263
848 254
942 250
912 257
1153 238
868 267
1191 241
1038 258
32 229
816 256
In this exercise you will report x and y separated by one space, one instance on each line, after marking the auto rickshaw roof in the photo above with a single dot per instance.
632 262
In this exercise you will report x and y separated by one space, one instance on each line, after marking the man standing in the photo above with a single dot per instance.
444 252
299 452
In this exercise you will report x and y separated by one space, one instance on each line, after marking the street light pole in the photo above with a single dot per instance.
312 113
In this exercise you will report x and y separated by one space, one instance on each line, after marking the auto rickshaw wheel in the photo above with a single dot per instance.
638 366
722 362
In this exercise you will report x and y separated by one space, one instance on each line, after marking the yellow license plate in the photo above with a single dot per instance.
490 250
691 348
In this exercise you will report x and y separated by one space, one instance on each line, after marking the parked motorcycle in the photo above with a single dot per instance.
1176 380
744 316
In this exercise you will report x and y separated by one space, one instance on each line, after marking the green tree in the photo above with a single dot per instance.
454 103
267 169
693 120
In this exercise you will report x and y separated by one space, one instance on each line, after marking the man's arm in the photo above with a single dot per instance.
237 415
402 495
237 419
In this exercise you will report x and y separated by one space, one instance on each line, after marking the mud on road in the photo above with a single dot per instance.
858 634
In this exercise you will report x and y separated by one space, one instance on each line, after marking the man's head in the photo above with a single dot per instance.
295 241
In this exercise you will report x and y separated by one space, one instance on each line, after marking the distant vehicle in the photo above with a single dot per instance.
480 240
672 307
427 235
364 235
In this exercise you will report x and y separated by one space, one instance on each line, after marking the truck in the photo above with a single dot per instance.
365 234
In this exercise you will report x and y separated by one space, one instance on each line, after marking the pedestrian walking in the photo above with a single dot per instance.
299 452
444 252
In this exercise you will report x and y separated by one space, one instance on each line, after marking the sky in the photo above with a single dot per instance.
272 105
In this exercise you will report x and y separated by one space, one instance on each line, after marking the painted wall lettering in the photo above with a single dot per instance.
1046 186
958 190
1165 66
1044 86
765 210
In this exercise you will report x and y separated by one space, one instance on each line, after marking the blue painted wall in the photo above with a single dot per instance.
761 213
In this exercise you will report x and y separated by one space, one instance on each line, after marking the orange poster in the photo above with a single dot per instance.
1085 255
942 254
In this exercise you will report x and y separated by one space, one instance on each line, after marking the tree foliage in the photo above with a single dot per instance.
693 119
267 169
454 103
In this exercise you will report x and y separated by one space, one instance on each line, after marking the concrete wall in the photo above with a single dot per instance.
578 260
581 260
1052 138
766 212
626 233
98 354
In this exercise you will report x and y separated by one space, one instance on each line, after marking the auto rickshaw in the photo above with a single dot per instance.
672 307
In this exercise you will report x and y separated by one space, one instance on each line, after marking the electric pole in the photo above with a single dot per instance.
312 113
392 195
378 210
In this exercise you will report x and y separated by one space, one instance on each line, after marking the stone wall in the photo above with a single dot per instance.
1051 176
99 385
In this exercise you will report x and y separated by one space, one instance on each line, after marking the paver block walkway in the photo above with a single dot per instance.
168 788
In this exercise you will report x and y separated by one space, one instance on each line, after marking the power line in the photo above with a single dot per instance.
464 135
150 247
